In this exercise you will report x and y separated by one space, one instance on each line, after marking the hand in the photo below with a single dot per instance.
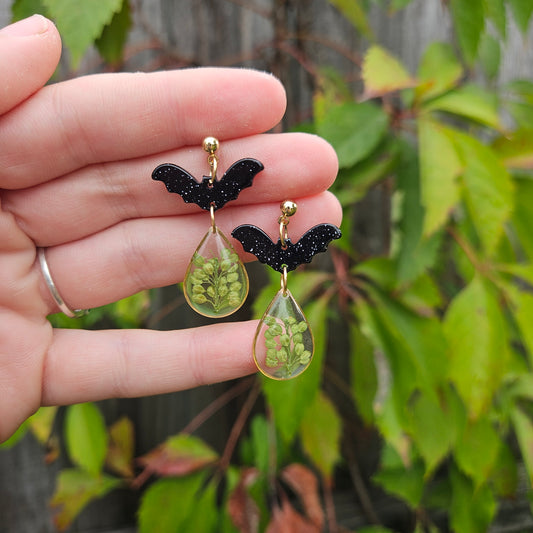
75 177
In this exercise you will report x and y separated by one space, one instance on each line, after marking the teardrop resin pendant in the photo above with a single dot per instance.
216 282
283 344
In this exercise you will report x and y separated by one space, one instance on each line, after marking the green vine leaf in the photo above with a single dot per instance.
86 437
521 217
471 102
471 510
469 23
478 351
438 72
364 379
382 73
522 11
205 515
354 11
80 23
504 476
111 42
490 55
477 451
404 481
497 14
354 130
430 430
169 503
440 168
21 9
75 489
523 314
488 190
320 434
523 427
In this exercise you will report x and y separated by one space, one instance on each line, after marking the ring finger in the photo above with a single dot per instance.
144 253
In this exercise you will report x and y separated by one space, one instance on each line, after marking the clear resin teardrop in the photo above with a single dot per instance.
216 282
283 344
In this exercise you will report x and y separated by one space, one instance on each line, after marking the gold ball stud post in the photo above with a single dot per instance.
288 208
210 145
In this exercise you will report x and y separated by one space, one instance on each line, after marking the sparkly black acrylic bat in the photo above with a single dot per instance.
313 241
204 194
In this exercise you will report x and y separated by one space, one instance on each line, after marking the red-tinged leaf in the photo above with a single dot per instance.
178 456
41 423
53 450
121 447
305 485
75 489
515 150
286 520
242 509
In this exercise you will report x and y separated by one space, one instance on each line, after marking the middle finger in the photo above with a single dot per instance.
97 197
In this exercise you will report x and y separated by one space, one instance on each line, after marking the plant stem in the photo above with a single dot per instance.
238 426
217 404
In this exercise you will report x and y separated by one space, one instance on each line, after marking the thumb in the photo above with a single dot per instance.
29 53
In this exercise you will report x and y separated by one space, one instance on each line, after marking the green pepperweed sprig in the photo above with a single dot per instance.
216 281
284 344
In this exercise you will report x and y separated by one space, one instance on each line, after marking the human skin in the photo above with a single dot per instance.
75 178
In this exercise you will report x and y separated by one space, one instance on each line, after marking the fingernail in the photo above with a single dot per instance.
33 25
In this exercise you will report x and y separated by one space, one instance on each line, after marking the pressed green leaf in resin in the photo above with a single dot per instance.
216 282
283 345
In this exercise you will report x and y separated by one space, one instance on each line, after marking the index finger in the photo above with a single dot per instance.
111 117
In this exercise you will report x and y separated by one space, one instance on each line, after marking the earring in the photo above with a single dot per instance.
283 343
216 282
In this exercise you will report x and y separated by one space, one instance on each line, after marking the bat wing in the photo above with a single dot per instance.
238 177
178 180
314 241
255 241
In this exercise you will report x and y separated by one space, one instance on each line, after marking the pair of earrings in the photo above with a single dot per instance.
216 283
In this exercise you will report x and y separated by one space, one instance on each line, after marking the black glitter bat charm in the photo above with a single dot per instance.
313 241
204 194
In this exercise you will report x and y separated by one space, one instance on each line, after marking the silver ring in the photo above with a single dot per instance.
71 313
